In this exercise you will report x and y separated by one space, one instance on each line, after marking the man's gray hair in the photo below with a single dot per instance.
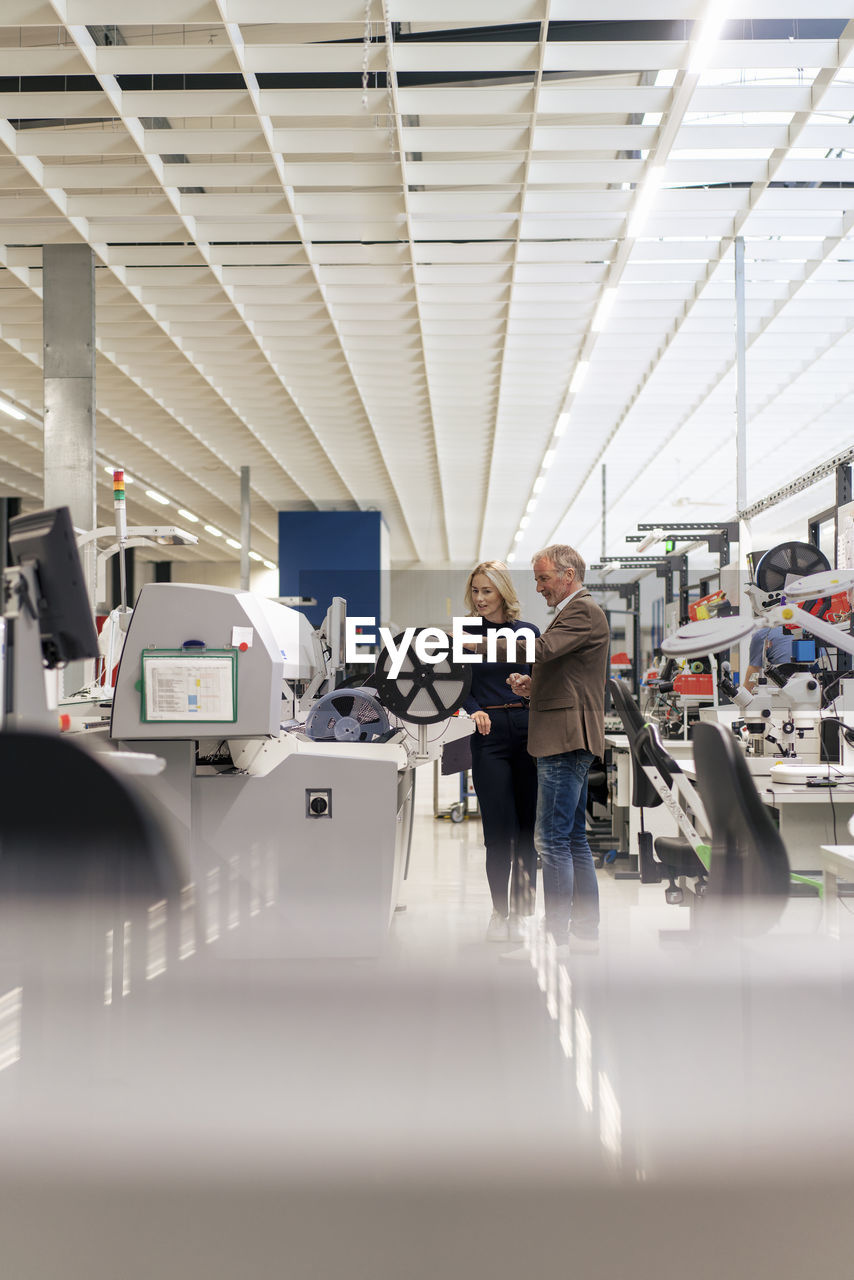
563 558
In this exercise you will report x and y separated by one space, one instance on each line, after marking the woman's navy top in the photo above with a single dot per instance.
489 687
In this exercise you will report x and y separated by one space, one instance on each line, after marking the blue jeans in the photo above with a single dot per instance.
570 887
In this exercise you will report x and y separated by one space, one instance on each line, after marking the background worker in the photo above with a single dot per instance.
768 646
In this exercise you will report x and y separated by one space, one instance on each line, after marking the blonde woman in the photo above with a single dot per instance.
504 775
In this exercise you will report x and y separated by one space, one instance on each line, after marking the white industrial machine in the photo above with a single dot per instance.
783 716
293 799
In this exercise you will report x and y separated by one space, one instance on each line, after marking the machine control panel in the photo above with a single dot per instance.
318 802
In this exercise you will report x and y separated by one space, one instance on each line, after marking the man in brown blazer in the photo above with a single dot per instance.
566 732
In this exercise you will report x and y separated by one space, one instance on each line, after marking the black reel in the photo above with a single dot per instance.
421 692
347 716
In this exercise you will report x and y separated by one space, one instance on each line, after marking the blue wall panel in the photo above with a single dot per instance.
331 553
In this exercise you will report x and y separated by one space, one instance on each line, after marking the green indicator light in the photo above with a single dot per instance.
670 545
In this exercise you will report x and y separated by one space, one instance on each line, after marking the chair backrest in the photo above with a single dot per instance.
644 794
70 826
651 751
749 864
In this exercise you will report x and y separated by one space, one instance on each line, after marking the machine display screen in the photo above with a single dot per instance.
179 687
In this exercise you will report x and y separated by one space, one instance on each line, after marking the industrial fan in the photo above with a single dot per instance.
788 562
347 715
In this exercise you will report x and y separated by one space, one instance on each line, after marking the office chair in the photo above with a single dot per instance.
749 863
672 856
90 900
69 826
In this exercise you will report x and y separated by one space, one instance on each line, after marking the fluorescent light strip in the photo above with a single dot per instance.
708 33
532 506
269 564
188 515
581 371
643 201
11 410
157 497
232 542
606 302
215 533
548 459
538 484
253 555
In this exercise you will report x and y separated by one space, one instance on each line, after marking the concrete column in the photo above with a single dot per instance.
245 527
68 308
741 380
9 508
69 382
744 537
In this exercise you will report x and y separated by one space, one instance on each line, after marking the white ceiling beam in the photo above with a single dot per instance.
217 140
54 105
469 12
657 55
332 13
241 174
594 137
346 141
312 59
579 98
466 56
465 102
186 102
127 12
164 59
87 140
41 60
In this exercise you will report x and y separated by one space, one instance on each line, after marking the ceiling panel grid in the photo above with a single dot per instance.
823 215
392 294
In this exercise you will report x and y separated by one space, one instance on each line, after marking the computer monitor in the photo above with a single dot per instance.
334 629
66 624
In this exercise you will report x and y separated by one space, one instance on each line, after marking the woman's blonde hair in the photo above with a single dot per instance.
499 576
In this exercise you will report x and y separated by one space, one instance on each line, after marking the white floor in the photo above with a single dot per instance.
446 904
653 1112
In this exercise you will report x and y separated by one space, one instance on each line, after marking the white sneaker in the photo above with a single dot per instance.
516 928
496 930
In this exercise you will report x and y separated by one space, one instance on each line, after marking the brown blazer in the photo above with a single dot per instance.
568 681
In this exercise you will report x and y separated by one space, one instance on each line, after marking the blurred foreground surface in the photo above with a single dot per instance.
173 1111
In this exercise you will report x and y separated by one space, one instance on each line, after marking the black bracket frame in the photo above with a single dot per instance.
630 593
717 534
664 566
